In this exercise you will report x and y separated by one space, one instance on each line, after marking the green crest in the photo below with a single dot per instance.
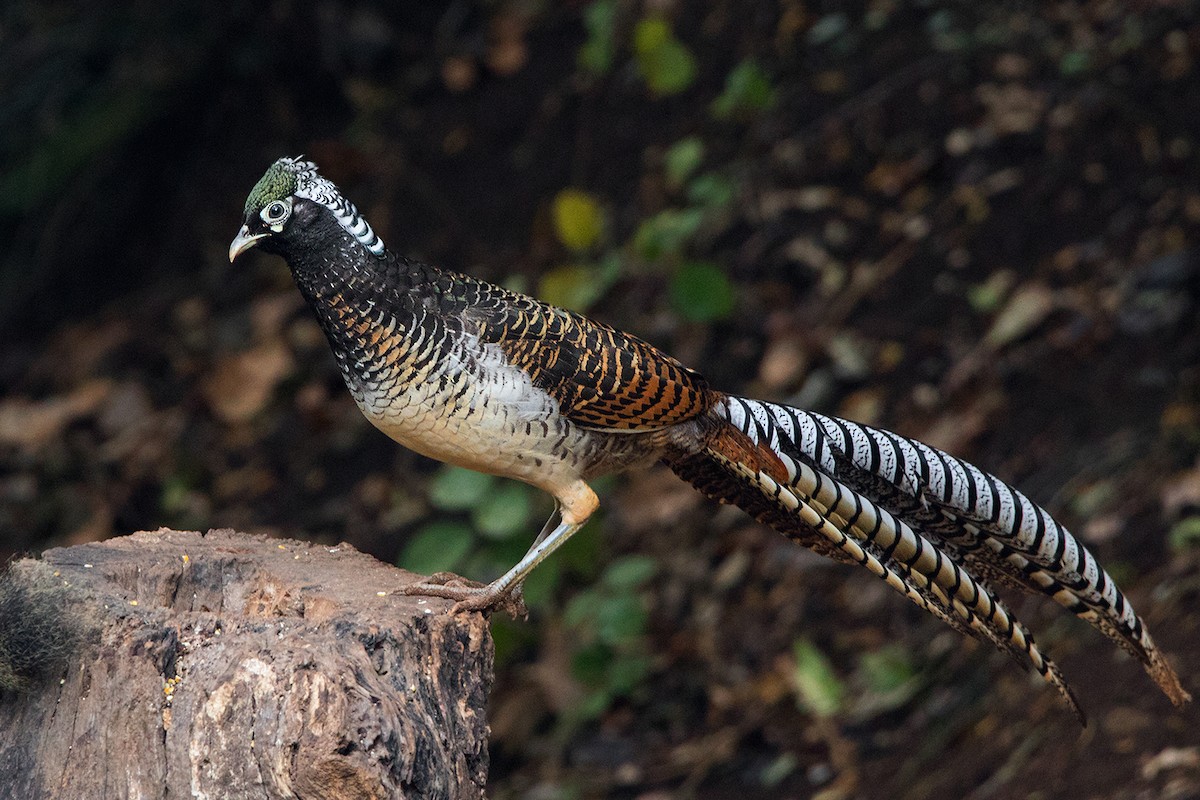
291 176
278 182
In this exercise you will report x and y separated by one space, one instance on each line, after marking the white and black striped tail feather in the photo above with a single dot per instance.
829 518
978 520
728 481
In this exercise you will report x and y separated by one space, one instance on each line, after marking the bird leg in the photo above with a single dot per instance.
514 603
571 511
552 522
502 593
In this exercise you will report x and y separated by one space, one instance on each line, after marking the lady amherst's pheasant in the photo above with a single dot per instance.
478 376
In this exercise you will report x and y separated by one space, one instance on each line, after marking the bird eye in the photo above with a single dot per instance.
276 213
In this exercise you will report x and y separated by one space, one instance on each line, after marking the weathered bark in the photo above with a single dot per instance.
234 666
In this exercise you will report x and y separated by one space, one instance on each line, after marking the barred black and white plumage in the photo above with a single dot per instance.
924 512
475 375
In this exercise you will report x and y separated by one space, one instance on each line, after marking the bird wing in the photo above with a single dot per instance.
601 377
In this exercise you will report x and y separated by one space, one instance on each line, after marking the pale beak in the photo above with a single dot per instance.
243 242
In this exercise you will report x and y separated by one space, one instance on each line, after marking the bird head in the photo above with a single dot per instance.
292 204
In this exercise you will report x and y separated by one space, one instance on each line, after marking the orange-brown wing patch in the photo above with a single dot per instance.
601 377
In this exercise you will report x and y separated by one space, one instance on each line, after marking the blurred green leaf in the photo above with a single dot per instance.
747 89
630 572
455 488
509 637
712 191
671 70
667 232
578 611
174 494
578 286
438 547
600 21
889 678
516 283
578 220
628 672
590 664
619 618
504 512
665 62
484 564
987 297
650 34
817 685
1075 62
886 669
595 704
779 769
582 551
701 291
682 159
1185 533
1092 499
541 584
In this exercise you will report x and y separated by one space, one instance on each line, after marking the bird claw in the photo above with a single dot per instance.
511 603
469 595
450 579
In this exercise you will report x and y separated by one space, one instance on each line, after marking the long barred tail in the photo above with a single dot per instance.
934 527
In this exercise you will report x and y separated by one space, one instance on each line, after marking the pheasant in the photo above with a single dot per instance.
475 375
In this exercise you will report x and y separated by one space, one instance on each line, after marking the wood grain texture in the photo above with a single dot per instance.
227 665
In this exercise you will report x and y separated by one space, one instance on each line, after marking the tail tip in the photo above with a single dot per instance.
1168 681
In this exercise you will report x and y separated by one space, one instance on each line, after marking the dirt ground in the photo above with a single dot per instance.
974 225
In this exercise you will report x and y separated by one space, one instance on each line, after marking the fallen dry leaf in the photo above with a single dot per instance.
783 363
1181 491
1011 108
241 384
1171 758
1026 309
30 424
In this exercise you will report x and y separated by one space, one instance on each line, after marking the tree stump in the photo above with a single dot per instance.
233 666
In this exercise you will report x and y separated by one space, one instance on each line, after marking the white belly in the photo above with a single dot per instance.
480 413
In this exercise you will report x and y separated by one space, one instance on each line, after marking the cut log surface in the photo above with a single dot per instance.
226 665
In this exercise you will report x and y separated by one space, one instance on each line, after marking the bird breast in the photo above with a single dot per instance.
461 402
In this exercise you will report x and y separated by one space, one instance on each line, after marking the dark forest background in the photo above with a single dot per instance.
973 223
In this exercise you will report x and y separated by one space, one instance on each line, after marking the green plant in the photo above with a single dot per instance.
682 159
483 521
665 63
610 649
596 54
578 219
1185 534
579 286
747 90
819 690
701 291
579 224
887 679
609 619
